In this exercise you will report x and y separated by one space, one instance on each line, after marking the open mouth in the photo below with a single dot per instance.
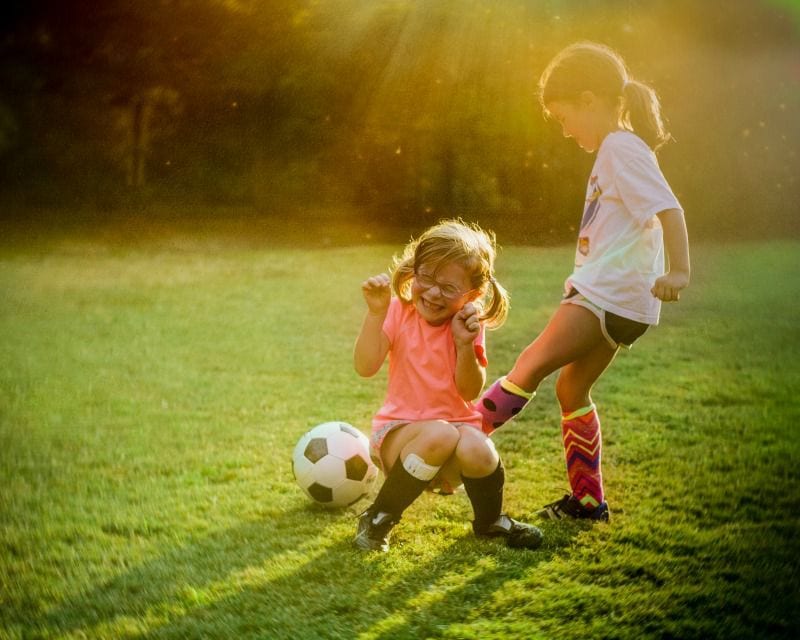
431 306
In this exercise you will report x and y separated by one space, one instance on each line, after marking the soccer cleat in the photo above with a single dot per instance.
373 531
517 534
569 507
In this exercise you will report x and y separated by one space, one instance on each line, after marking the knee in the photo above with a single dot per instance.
441 438
476 453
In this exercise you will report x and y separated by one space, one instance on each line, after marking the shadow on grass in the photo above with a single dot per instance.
158 587
343 594
320 586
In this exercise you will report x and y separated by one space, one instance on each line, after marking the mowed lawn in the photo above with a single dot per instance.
151 395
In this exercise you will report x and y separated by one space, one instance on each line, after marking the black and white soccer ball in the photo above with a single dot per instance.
331 464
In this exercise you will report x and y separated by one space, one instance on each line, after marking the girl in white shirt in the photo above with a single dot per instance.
615 291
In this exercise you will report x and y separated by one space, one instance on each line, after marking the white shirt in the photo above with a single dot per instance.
620 249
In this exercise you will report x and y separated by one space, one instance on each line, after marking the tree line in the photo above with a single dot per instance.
400 111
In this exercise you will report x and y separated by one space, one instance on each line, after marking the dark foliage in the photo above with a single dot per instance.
387 109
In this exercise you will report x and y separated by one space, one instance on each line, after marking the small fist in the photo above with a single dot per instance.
377 293
668 287
469 313
466 324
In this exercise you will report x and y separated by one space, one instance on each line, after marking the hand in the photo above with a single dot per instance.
377 293
668 287
465 325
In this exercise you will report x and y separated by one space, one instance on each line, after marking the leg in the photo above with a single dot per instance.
475 454
420 448
484 479
572 333
575 381
434 441
483 476
580 428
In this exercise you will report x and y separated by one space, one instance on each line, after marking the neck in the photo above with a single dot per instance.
604 131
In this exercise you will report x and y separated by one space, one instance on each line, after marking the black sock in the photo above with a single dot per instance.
398 491
486 496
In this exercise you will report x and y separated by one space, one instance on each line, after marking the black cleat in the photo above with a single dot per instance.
569 507
518 535
373 531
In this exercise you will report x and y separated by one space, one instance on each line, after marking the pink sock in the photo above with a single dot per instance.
582 444
501 402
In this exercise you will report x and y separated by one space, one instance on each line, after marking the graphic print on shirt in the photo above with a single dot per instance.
589 213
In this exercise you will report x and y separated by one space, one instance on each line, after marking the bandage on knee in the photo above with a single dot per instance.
417 467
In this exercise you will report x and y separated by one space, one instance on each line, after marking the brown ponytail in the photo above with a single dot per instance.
641 113
589 66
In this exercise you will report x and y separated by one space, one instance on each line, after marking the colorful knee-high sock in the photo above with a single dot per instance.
501 402
580 432
405 482
486 496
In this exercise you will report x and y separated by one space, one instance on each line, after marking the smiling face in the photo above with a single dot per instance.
438 303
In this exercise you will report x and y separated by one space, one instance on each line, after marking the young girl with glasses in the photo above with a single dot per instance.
428 433
615 291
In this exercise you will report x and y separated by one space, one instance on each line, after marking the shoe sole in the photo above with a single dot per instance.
366 545
547 514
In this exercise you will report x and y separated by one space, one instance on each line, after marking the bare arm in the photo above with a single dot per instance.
676 242
372 345
470 375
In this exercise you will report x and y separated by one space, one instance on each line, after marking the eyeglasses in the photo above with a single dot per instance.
448 291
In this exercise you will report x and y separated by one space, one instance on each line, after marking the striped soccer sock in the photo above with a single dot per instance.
580 431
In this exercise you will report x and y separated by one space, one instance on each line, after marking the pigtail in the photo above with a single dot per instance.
499 302
641 113
463 243
403 272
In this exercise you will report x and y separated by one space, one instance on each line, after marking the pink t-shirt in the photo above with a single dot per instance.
422 366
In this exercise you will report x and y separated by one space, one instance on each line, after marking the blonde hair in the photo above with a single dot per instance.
465 244
589 66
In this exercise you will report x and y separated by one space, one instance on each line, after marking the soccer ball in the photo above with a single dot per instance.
331 464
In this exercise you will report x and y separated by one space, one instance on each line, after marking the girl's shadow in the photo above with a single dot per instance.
329 589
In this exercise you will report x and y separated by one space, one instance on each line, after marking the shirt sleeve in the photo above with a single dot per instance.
643 189
392 319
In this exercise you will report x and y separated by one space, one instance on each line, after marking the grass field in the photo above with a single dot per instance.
151 395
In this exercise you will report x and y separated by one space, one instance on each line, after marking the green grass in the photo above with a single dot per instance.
151 395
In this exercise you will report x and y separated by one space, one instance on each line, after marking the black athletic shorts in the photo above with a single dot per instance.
618 331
